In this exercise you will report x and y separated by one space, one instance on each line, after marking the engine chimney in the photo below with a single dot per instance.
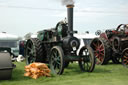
70 19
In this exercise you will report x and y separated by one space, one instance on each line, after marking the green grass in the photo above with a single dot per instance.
110 74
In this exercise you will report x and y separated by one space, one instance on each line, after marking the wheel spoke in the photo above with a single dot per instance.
101 46
125 60
95 45
58 62
126 57
102 50
98 44
102 54
100 58
55 66
87 65
83 64
28 48
58 66
54 54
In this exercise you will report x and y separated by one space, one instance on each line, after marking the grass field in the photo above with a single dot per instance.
110 74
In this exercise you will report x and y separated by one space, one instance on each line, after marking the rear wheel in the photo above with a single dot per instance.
125 58
87 62
57 60
102 50
34 51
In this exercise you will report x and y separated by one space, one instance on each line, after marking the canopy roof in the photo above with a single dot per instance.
5 36
85 35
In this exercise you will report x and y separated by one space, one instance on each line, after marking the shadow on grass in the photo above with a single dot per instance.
75 69
111 63
18 75
100 70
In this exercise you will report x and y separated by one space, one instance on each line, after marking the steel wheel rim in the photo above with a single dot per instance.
30 52
99 51
125 59
55 61
86 61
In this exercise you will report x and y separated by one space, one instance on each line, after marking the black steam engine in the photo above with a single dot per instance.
57 47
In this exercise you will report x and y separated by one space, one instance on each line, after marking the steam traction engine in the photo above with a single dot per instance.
58 46
112 44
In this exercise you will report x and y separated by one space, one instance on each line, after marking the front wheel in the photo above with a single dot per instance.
87 62
57 60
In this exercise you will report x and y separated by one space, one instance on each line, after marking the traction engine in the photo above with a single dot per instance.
112 44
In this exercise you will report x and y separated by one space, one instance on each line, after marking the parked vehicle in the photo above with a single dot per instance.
10 41
112 44
58 46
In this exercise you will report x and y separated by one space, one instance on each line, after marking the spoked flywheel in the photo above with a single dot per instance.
57 60
102 50
125 57
87 62
34 51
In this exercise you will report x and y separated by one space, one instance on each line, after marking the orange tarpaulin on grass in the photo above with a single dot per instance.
36 70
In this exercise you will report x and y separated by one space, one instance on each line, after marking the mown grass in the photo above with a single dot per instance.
111 74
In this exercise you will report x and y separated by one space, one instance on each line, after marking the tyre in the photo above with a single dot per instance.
57 61
125 58
102 50
87 62
34 51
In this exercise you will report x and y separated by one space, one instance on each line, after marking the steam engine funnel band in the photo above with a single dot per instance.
70 6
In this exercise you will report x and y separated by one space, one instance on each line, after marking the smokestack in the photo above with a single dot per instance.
70 19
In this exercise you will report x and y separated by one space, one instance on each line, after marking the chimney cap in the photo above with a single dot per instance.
70 6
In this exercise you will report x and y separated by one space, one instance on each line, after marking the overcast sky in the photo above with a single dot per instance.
22 16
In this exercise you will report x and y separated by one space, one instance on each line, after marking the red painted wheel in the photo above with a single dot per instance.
125 58
102 50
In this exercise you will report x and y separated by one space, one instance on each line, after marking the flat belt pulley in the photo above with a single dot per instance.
116 44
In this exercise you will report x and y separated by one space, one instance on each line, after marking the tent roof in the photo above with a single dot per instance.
85 35
5 36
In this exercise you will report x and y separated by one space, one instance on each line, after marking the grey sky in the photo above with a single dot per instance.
22 16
